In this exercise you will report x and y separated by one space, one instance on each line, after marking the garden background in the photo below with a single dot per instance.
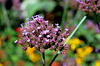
85 44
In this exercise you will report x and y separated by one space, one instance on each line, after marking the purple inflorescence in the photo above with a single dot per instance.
89 5
38 34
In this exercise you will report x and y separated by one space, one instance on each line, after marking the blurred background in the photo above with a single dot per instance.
85 44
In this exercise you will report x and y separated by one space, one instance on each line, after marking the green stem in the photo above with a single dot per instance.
69 38
43 58
64 14
75 29
53 59
5 15
77 17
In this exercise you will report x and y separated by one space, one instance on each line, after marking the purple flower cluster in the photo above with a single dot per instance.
37 33
17 4
91 25
90 5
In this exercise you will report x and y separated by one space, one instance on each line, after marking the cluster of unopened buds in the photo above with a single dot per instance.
89 5
37 33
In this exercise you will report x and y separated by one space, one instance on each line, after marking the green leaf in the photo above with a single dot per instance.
14 58
97 36
29 64
32 8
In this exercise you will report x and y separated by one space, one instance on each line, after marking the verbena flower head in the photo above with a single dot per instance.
89 5
37 33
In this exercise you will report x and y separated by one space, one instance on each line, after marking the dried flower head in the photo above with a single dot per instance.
38 34
90 5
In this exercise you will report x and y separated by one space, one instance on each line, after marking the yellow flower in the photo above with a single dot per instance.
74 42
77 41
30 50
97 63
79 60
34 57
73 46
88 50
80 52
1 64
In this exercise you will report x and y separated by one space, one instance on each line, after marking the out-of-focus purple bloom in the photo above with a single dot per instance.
64 64
89 5
97 30
97 50
89 24
17 6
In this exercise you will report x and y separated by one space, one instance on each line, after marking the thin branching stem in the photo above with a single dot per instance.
43 58
69 38
53 59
